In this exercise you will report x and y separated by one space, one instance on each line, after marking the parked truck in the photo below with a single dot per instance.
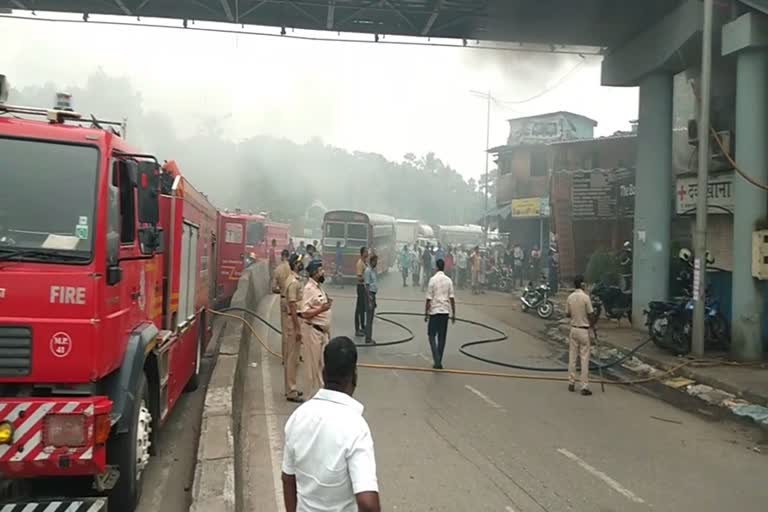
108 263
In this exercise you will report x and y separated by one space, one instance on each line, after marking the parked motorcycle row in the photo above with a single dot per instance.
670 322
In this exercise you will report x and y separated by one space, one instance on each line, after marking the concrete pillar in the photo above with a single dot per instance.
653 199
747 38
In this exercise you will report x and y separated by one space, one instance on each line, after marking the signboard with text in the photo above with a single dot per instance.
530 207
603 194
719 196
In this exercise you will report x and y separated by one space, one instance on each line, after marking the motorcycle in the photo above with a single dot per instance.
499 279
670 323
616 302
537 297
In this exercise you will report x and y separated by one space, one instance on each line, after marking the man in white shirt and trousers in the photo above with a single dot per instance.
440 297
329 463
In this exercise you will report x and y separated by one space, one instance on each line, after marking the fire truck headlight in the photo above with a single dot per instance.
65 430
6 432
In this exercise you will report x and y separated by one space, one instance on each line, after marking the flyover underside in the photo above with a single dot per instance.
601 23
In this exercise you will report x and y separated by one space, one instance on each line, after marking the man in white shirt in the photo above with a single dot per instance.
440 296
328 461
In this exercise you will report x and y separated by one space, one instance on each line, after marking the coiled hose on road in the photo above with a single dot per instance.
227 312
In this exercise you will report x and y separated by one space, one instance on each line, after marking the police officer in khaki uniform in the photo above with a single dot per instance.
279 277
579 310
315 327
292 330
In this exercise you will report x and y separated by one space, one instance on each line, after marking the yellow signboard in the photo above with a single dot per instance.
527 207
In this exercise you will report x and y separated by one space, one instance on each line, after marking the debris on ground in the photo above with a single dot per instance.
678 382
709 394
757 412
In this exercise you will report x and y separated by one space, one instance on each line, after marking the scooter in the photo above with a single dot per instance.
537 297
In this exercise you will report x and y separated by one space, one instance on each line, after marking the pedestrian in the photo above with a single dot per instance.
279 278
416 266
554 270
291 248
440 297
426 267
292 331
535 263
329 462
518 256
579 310
302 250
483 272
338 268
371 288
360 305
439 253
315 330
449 264
474 263
272 256
461 265
405 264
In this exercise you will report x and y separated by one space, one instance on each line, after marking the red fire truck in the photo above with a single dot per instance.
232 252
107 266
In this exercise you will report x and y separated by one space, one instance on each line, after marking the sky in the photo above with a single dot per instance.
380 98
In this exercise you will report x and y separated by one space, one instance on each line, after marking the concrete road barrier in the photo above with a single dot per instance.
216 486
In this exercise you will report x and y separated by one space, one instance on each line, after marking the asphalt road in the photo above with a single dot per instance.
470 443
169 475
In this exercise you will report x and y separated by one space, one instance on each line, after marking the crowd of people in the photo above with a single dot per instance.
471 267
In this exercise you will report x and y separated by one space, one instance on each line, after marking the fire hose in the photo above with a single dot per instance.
500 336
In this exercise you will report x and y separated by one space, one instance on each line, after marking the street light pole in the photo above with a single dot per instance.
700 239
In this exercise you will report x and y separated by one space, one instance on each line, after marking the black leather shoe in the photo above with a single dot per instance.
586 392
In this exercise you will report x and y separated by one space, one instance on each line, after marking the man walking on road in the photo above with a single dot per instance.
371 288
292 331
440 296
461 265
360 305
579 310
315 331
405 264
426 267
329 464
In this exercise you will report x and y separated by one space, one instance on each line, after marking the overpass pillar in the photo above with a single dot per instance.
747 38
653 197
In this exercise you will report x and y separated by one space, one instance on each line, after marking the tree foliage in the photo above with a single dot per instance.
264 173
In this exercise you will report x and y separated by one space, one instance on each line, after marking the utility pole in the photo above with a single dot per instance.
700 260
487 142
488 97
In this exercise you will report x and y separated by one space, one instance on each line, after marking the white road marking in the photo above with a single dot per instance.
485 398
613 484
425 357
273 432
510 509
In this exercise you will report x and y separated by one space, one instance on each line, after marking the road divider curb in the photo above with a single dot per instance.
216 486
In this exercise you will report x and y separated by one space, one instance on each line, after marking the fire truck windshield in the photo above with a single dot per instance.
255 233
47 199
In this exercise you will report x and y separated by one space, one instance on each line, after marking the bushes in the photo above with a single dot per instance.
603 266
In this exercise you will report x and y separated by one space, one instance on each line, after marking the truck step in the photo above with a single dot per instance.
68 505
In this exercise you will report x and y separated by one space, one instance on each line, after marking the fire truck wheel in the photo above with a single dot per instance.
194 381
130 453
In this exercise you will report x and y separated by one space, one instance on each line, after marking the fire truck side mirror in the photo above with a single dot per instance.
149 192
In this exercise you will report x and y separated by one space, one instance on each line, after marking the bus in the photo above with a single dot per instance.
353 230
468 236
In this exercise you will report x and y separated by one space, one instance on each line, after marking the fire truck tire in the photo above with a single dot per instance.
194 381
130 452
